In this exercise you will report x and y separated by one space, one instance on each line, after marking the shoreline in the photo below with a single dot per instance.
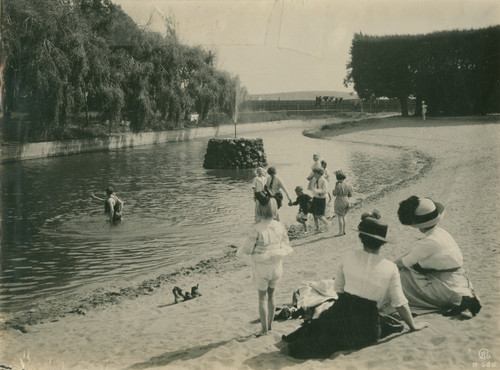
100 298
216 330
14 152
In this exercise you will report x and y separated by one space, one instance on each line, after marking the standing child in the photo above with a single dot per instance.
342 192
266 247
304 202
320 191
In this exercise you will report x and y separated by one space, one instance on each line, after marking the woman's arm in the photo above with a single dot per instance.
405 313
96 197
399 263
282 185
335 191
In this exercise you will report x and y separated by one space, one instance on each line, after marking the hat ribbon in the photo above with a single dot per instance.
419 219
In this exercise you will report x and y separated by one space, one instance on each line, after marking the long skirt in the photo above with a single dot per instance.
351 322
318 206
438 290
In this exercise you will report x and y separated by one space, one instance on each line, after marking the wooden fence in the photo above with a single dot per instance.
273 110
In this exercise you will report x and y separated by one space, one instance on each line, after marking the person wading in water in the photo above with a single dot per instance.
113 205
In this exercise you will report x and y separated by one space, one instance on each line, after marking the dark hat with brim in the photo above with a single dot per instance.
373 228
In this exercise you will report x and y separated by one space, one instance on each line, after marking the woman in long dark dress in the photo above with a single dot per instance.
364 279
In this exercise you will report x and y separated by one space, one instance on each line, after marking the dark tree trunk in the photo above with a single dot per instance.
403 100
418 107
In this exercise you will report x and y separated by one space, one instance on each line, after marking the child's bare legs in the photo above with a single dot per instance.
304 223
271 308
264 311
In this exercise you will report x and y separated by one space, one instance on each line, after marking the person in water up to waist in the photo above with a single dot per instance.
113 206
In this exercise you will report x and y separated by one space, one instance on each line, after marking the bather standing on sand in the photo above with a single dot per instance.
266 247
342 192
113 205
364 279
431 272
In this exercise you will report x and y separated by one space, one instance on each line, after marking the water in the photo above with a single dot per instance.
56 240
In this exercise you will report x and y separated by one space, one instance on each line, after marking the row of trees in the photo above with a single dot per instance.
455 72
70 60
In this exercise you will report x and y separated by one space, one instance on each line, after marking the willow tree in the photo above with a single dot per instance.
73 58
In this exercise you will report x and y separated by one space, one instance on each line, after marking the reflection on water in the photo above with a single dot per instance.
56 239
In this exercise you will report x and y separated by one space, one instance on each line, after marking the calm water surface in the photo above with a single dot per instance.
56 240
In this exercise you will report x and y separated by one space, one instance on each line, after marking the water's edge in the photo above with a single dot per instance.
98 299
16 152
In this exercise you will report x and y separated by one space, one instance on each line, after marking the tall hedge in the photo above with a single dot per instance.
455 72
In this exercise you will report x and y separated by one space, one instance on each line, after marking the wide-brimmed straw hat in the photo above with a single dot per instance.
373 228
427 214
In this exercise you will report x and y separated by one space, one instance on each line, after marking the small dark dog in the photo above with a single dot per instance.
178 294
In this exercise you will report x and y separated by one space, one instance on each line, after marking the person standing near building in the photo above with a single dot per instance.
424 109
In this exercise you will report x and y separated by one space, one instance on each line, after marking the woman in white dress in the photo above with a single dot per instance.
432 271
364 280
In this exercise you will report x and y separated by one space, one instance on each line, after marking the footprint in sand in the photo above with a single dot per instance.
437 341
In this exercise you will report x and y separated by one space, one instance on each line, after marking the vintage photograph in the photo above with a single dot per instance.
249 184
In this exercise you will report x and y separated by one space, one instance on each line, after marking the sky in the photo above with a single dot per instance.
300 45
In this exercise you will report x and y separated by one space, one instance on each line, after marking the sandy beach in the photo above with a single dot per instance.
216 330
